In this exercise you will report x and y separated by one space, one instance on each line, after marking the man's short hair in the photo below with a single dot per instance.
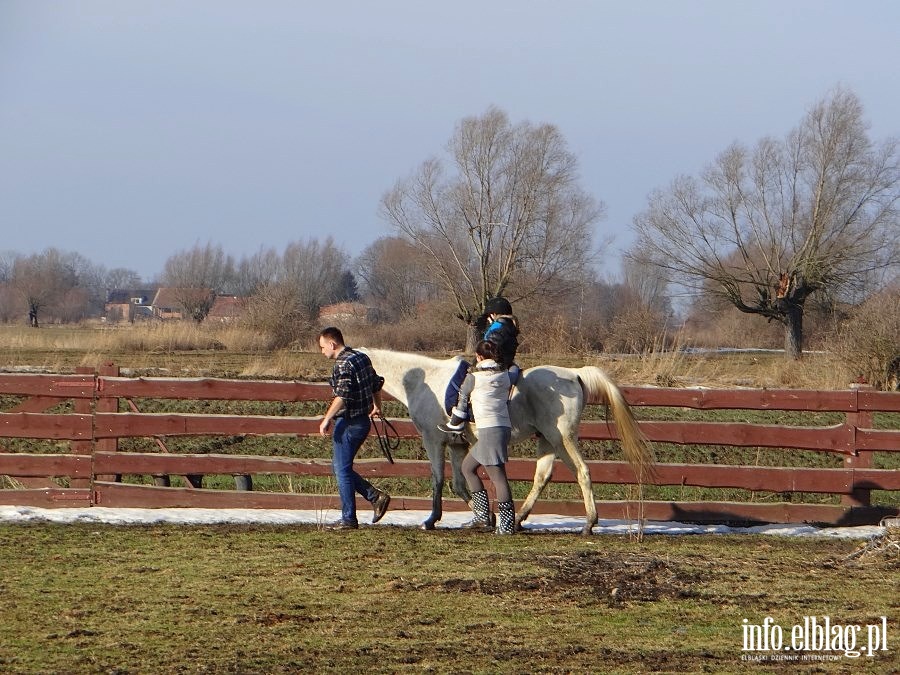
332 333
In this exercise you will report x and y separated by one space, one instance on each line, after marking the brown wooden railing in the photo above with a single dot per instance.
87 458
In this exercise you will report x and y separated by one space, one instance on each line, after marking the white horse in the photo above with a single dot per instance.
547 402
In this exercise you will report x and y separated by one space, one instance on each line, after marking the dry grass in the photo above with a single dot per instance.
141 337
287 364
769 370
881 550
176 348
189 349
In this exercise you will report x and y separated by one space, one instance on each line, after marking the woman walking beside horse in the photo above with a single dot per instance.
487 389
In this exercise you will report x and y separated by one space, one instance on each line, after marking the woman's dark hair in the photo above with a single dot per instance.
486 349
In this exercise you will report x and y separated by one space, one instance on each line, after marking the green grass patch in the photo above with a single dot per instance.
260 599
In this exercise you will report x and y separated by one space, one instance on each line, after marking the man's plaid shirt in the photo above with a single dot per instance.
354 379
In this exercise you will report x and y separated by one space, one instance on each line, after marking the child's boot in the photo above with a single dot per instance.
481 507
506 512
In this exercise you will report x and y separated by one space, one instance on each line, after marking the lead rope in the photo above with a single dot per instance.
388 438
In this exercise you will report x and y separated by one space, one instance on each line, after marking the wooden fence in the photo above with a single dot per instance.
82 417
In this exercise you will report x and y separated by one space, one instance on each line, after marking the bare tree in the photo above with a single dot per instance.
315 273
609 315
7 261
868 343
10 303
197 275
257 271
10 299
274 310
768 228
648 285
507 217
54 284
285 292
348 289
42 280
122 278
89 280
391 269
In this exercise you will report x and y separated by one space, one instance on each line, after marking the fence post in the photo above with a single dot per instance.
107 404
858 460
83 406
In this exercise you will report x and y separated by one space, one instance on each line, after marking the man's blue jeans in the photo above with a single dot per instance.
347 439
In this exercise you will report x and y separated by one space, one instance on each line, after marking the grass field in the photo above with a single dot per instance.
167 599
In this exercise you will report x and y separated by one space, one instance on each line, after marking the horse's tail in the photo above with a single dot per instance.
599 388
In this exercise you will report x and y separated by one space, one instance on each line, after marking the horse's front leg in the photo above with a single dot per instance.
434 448
458 485
437 489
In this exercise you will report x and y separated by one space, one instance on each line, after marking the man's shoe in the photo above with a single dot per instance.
380 506
341 525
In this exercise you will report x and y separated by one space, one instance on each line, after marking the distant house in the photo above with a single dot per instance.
166 304
128 304
170 303
347 312
227 308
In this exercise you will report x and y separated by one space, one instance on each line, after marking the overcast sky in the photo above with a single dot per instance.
130 130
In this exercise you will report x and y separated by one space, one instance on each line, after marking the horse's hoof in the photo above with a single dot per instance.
587 530
427 525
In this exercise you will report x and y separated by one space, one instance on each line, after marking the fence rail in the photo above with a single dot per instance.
88 430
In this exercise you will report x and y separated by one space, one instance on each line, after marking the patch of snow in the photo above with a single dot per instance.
452 520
